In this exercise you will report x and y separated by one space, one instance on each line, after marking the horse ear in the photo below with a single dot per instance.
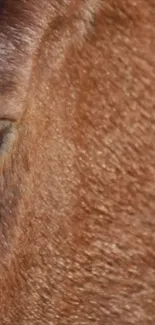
8 137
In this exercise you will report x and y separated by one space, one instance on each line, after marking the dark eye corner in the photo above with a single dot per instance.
8 135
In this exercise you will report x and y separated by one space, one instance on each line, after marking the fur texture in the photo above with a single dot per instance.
77 190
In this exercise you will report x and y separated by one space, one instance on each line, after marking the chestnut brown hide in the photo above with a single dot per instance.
77 162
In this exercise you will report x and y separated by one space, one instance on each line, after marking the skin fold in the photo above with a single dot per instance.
77 162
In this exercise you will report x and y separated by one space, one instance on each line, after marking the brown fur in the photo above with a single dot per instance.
77 190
